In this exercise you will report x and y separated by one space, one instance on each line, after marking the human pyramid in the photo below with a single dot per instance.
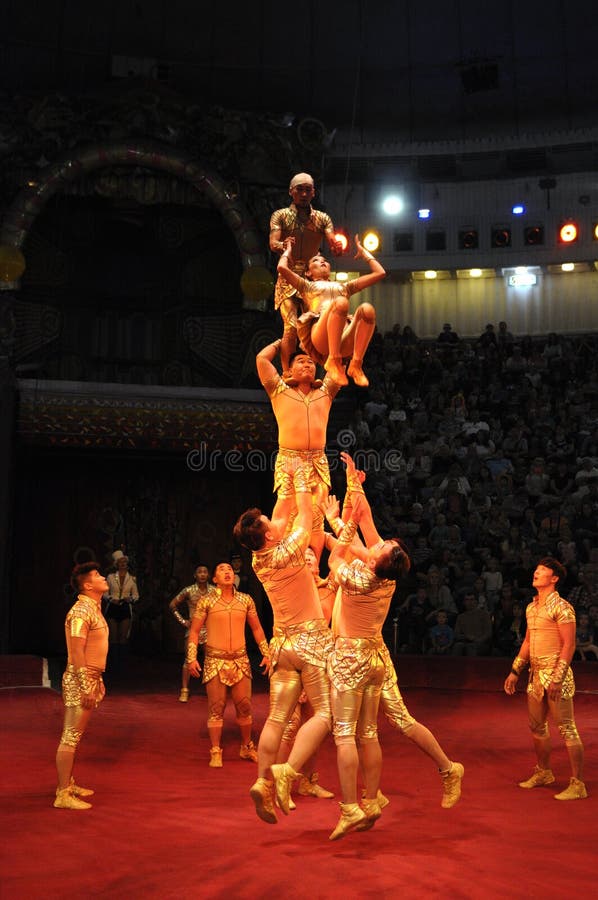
329 667
326 642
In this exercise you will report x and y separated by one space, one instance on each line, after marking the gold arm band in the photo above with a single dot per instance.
558 673
354 485
336 523
179 617
348 532
191 652
518 665
263 646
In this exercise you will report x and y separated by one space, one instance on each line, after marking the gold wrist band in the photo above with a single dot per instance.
191 652
263 647
518 665
348 532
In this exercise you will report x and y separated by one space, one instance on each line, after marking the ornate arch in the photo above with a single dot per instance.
30 201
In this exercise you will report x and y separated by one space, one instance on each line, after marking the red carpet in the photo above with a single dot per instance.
164 825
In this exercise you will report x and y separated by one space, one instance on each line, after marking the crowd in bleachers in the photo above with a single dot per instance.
498 467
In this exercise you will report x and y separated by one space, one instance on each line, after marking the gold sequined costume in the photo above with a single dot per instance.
226 664
301 640
308 234
544 647
357 665
84 620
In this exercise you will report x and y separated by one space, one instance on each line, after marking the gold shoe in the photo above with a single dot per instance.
352 816
66 800
372 810
261 794
248 751
309 787
284 776
215 757
382 800
575 791
334 367
538 778
78 791
184 695
357 374
451 785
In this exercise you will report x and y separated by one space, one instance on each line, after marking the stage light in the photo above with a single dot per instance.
392 205
403 241
526 279
371 241
595 231
533 236
343 239
430 274
518 209
468 239
435 240
475 273
501 237
568 233
342 276
424 213
568 267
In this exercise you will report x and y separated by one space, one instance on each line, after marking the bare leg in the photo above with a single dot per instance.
423 738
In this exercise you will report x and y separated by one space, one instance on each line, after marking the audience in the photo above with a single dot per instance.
498 441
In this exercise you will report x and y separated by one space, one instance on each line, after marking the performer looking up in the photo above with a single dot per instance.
225 612
548 649
305 227
301 408
300 642
391 701
326 330
356 666
86 633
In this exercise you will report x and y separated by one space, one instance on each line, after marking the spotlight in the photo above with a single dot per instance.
533 236
568 233
518 209
392 205
468 239
342 239
595 231
424 213
371 241
501 237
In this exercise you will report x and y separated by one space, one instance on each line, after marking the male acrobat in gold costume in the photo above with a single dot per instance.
190 595
304 227
300 642
86 633
225 612
548 649
356 666
301 408
391 700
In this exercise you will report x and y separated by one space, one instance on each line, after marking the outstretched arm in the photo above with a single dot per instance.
377 272
355 489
